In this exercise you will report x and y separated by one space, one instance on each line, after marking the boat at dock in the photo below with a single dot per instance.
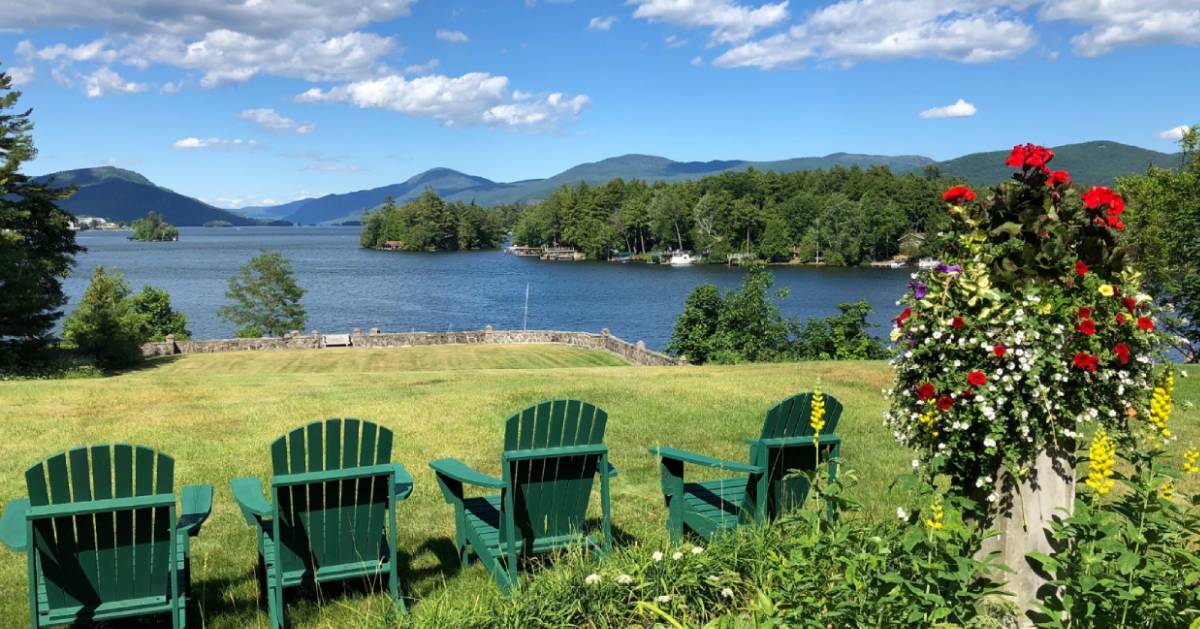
682 258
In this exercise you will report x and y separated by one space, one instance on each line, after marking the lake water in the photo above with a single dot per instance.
348 287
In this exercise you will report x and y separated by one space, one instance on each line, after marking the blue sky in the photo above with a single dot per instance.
262 101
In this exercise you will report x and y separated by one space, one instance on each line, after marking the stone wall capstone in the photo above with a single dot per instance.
636 354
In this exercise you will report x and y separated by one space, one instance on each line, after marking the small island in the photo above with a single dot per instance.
218 223
429 223
154 229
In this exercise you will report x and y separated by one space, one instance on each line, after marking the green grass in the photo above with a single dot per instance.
217 414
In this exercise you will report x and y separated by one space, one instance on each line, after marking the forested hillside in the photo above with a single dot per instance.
844 216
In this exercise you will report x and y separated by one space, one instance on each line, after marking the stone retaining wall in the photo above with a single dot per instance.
605 341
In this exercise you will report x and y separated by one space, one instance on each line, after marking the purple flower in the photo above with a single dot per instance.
918 288
942 268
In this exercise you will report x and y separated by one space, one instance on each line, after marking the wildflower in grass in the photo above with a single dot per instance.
727 592
696 550
657 556
1160 404
1101 458
937 514
625 579
902 514
1167 490
592 579
677 556
817 417
662 598
1191 462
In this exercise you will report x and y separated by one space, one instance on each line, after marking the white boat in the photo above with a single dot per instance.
682 258
928 263
895 264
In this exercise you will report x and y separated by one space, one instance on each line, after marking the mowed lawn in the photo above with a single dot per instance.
217 415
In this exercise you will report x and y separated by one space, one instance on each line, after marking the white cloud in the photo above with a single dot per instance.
21 75
104 81
276 122
960 109
697 61
729 21
262 18
674 42
194 143
97 50
1113 23
1175 134
320 162
227 40
171 87
226 56
601 23
969 31
475 98
422 68
453 37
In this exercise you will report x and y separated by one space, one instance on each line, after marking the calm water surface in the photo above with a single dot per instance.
348 287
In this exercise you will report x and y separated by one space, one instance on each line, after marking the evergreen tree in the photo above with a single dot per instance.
265 298
106 326
37 244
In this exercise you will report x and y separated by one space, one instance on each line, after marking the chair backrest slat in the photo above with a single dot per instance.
331 522
551 493
789 425
95 555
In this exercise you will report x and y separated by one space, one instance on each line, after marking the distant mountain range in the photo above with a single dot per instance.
123 195
119 194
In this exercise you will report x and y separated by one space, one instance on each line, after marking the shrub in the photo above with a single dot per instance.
154 305
265 298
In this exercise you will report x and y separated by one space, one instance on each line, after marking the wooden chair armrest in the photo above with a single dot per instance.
404 482
195 507
12 526
249 496
461 472
684 456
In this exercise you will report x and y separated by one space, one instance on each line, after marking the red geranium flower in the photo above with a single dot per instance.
1000 350
1087 326
958 194
1080 268
1085 313
903 317
957 323
1086 361
1059 178
945 402
1130 304
1120 318
1145 324
1030 156
926 391
1100 196
977 378
1122 352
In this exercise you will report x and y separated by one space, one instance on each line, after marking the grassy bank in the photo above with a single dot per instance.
217 414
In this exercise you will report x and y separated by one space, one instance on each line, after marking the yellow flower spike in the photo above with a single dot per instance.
1102 459
1160 404
937 515
1047 309
1107 290
929 424
817 417
1191 462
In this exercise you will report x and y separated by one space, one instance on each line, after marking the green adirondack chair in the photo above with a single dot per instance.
786 444
102 536
332 514
552 452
